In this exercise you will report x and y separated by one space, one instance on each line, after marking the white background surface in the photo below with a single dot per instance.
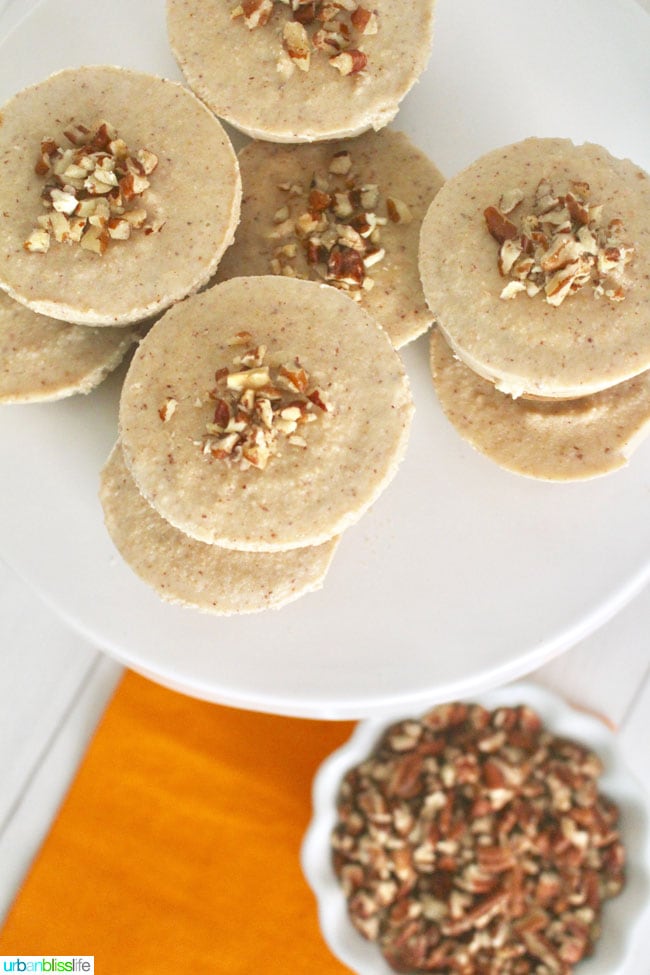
55 686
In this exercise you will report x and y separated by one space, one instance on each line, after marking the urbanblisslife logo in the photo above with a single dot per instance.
51 963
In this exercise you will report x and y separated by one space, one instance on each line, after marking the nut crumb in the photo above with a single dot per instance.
167 410
339 231
315 26
89 188
296 44
256 406
398 211
560 247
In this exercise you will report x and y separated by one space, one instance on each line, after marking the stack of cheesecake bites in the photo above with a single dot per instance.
534 260
266 408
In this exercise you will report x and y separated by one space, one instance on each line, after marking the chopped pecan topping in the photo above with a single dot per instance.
561 246
475 841
499 226
167 409
364 20
335 28
256 13
398 211
92 191
337 224
257 406
349 62
296 44
341 163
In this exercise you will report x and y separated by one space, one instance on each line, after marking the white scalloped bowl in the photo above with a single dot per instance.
621 916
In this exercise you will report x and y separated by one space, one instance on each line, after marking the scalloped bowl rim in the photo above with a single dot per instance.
622 915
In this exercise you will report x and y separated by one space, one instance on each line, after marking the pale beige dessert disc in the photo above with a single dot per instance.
191 205
206 577
389 179
247 77
565 440
43 359
527 345
311 488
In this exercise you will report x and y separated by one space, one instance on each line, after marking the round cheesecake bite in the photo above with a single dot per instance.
120 192
191 573
43 359
561 440
264 414
348 213
535 261
301 71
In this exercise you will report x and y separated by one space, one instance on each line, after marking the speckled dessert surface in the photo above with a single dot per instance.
246 76
596 336
299 217
191 573
44 359
562 440
218 461
191 204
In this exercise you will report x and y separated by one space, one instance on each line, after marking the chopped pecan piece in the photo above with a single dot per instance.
256 12
565 242
499 226
296 44
349 62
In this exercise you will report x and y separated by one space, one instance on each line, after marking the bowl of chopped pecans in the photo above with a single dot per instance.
499 837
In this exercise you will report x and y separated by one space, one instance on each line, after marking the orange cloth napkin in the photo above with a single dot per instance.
177 848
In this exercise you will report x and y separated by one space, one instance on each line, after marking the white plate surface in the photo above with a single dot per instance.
622 916
463 575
